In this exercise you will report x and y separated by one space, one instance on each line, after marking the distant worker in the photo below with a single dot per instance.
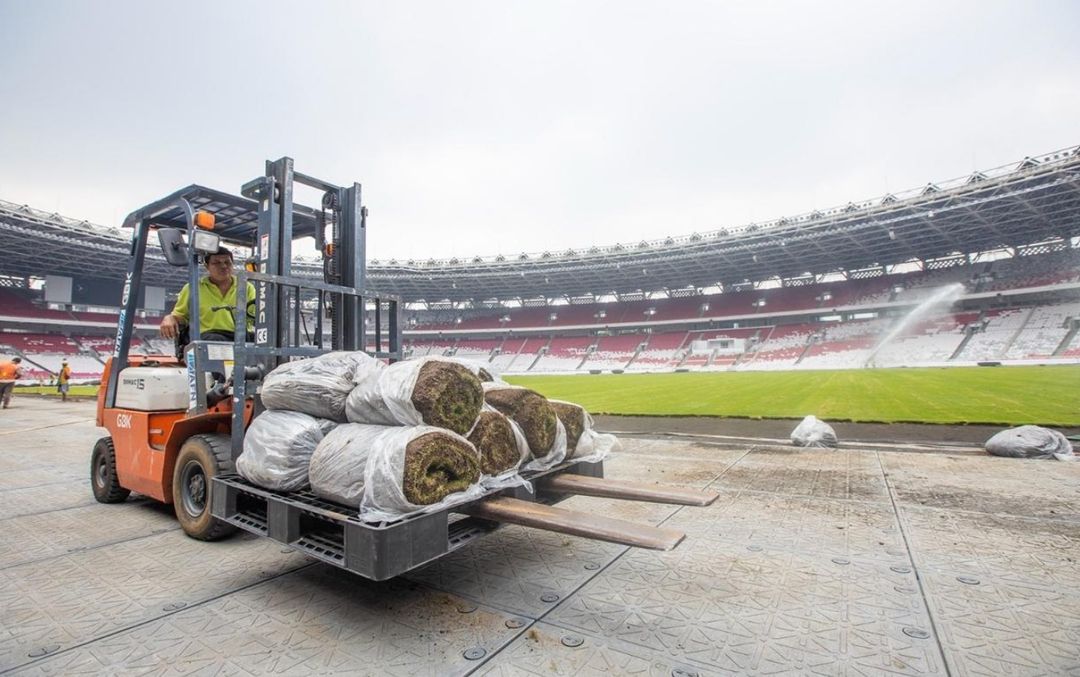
10 371
63 380
217 300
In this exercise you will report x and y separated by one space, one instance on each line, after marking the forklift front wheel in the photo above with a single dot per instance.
201 459
103 478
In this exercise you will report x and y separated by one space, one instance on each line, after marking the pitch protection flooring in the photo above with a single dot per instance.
857 561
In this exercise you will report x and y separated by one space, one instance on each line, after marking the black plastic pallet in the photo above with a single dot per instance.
334 533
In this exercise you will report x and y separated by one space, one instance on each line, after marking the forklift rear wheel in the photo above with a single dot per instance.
201 459
103 479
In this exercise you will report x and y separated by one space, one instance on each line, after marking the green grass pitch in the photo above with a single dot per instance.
1047 395
76 390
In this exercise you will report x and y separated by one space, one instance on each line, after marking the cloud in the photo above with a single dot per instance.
488 127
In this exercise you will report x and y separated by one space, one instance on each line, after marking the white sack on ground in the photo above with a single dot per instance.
277 449
390 471
1031 441
435 391
813 432
318 386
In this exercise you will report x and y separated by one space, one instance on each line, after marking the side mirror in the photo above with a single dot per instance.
172 246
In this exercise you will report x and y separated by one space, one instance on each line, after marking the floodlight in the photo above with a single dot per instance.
206 242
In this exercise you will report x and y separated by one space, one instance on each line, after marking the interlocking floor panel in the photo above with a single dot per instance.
549 650
45 498
1025 551
43 535
680 450
994 627
825 527
822 473
315 621
85 595
652 469
811 562
519 570
38 477
987 484
759 612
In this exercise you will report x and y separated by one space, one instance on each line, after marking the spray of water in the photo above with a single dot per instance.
943 297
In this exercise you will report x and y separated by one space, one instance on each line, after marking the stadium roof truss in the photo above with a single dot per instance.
1024 207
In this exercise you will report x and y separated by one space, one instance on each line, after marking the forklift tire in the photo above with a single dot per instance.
201 459
103 479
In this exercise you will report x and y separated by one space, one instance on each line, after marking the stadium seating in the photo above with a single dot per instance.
1044 331
18 304
993 340
788 333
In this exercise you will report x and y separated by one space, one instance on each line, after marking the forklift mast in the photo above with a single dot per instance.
265 219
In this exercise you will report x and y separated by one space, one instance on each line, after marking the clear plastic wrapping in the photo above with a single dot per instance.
1031 441
391 471
590 446
813 432
278 446
426 391
318 386
544 432
502 448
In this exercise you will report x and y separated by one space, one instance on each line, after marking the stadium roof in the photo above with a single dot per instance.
1036 200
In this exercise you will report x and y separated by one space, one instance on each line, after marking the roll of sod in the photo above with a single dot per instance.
573 418
448 395
437 465
495 440
530 410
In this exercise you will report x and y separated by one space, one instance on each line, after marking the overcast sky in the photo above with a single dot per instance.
502 127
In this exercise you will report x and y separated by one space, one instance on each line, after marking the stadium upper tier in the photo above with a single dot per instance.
1034 201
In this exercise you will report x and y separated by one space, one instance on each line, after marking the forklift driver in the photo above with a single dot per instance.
217 299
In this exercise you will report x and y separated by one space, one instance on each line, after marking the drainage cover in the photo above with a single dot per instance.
572 640
43 651
968 580
917 633
901 570
475 653
549 597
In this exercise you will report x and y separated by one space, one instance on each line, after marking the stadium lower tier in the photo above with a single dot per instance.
1039 334
1047 333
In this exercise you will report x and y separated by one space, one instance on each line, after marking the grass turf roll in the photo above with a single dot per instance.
437 465
448 395
573 419
530 410
484 375
494 439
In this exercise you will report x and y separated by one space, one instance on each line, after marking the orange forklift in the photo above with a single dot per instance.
176 422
